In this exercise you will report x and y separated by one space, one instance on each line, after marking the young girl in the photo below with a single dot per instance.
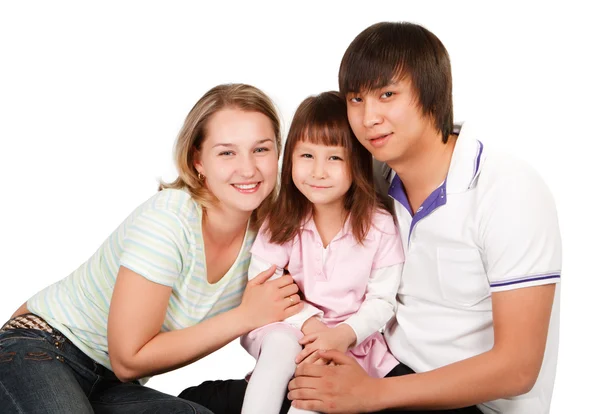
165 289
342 249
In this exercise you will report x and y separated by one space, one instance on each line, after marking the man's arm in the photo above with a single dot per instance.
521 319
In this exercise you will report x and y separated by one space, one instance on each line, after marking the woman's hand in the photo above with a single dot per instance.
270 301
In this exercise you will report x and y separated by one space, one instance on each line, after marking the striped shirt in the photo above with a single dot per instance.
161 241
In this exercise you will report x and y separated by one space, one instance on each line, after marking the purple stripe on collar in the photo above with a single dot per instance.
525 280
396 191
477 162
436 199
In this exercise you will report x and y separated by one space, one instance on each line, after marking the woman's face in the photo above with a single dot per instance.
239 158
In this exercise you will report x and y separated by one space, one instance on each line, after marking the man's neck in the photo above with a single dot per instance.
425 168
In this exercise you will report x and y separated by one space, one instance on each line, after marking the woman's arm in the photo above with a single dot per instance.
138 307
308 312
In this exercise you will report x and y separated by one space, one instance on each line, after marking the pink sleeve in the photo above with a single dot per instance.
390 251
277 254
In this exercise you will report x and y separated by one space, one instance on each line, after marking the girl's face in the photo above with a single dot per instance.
321 173
239 158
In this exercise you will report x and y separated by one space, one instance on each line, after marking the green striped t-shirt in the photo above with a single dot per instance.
162 241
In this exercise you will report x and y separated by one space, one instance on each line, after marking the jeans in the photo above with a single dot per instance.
42 372
226 397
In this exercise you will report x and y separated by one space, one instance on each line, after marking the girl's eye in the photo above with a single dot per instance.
355 99
387 94
226 153
305 156
335 158
261 149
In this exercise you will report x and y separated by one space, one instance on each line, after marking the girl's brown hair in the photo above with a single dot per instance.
322 120
189 142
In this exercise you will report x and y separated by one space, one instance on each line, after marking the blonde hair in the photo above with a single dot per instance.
227 96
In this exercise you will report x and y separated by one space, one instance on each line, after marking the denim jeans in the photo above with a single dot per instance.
43 372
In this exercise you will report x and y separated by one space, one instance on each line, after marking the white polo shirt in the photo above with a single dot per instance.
491 226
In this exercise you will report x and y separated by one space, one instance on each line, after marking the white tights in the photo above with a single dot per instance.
274 369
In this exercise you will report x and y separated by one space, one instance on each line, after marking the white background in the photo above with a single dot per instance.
92 97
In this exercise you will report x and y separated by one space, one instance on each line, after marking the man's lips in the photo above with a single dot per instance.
379 140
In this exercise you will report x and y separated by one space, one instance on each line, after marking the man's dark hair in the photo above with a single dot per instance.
391 51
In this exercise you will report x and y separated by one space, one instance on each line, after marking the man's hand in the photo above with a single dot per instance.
341 387
339 338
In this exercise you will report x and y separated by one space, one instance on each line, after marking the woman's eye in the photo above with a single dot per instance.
356 99
226 153
261 149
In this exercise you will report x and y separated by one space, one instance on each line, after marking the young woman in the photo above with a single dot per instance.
168 286
338 243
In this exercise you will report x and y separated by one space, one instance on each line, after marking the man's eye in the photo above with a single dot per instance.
387 94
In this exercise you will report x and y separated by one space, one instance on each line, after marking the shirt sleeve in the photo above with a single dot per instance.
259 264
155 246
519 231
380 302
390 251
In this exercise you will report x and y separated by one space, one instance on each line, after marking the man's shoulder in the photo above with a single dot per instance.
500 168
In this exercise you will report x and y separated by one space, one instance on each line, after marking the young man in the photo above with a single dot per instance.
478 307
477 315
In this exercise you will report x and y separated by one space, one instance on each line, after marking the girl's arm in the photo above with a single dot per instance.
138 307
380 302
378 308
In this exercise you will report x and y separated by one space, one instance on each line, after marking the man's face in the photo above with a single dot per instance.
389 121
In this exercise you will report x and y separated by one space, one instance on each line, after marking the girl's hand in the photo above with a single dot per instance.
267 302
339 338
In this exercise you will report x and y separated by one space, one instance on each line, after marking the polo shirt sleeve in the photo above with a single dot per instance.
519 229
155 246
390 251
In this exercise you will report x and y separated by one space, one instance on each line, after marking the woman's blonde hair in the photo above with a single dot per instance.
192 134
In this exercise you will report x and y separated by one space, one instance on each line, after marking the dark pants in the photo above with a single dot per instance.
42 372
226 397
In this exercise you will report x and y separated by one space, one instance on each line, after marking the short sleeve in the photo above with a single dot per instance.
155 246
277 254
390 251
519 230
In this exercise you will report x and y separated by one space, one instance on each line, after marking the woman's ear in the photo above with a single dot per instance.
198 163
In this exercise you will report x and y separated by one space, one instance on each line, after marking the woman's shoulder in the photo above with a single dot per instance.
175 201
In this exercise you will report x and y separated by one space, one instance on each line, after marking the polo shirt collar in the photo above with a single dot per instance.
466 162
309 224
464 169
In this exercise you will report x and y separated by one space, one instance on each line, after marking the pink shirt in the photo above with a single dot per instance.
351 283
